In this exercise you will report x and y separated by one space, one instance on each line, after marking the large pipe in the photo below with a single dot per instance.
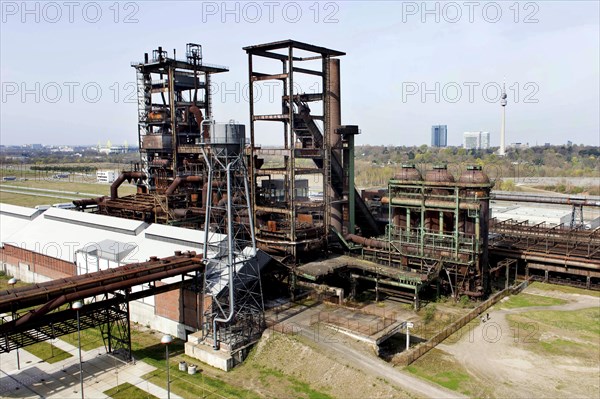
542 199
547 258
180 179
368 242
129 176
431 203
335 120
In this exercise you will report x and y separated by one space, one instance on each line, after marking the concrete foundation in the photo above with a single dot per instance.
197 349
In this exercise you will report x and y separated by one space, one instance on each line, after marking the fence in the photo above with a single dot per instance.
361 326
416 352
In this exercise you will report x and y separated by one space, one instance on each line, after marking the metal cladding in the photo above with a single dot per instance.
228 137
473 174
409 172
439 173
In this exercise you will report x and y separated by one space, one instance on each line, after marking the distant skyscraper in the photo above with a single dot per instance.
476 140
439 136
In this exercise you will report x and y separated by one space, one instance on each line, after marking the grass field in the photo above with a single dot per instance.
571 334
47 352
50 191
128 391
526 300
439 367
564 288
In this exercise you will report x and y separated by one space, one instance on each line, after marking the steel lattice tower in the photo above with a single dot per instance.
234 316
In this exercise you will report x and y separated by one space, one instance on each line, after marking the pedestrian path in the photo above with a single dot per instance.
60 380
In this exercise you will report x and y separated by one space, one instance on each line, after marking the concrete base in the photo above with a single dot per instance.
205 353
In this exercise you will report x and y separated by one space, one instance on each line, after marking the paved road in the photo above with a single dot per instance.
364 360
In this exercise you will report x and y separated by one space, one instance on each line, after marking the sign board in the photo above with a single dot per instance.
410 324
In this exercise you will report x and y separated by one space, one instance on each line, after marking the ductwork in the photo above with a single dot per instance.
129 176
181 179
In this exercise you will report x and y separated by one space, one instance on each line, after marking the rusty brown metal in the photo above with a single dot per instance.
54 294
129 176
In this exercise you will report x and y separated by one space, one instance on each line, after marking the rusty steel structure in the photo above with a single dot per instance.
426 229
438 228
42 311
314 145
555 251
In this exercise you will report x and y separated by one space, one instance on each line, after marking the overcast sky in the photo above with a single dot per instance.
66 74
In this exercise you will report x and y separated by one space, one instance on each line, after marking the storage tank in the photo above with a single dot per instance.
439 174
481 194
400 215
474 175
228 138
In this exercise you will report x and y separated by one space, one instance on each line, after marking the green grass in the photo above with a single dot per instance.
91 338
572 334
47 352
269 375
193 386
564 288
32 198
441 368
526 300
583 322
128 391
4 282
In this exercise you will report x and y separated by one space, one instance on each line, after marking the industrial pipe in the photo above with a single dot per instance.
130 175
180 179
431 203
546 258
368 242
541 199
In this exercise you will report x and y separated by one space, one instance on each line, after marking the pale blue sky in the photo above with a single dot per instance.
552 63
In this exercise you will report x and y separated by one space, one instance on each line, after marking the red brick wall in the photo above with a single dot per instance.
38 263
167 304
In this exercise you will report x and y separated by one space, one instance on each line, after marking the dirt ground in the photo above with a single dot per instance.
518 355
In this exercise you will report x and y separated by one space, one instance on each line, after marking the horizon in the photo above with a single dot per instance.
408 65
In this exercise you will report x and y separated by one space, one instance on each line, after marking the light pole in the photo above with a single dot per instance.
409 325
78 305
166 340
12 283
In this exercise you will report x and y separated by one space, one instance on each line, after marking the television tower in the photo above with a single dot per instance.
502 150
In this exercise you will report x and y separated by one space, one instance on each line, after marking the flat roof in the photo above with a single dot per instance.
61 233
257 48
19 211
108 223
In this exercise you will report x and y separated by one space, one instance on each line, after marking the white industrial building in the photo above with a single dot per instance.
534 215
106 176
38 247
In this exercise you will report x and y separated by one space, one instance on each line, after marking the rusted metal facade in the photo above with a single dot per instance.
438 227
